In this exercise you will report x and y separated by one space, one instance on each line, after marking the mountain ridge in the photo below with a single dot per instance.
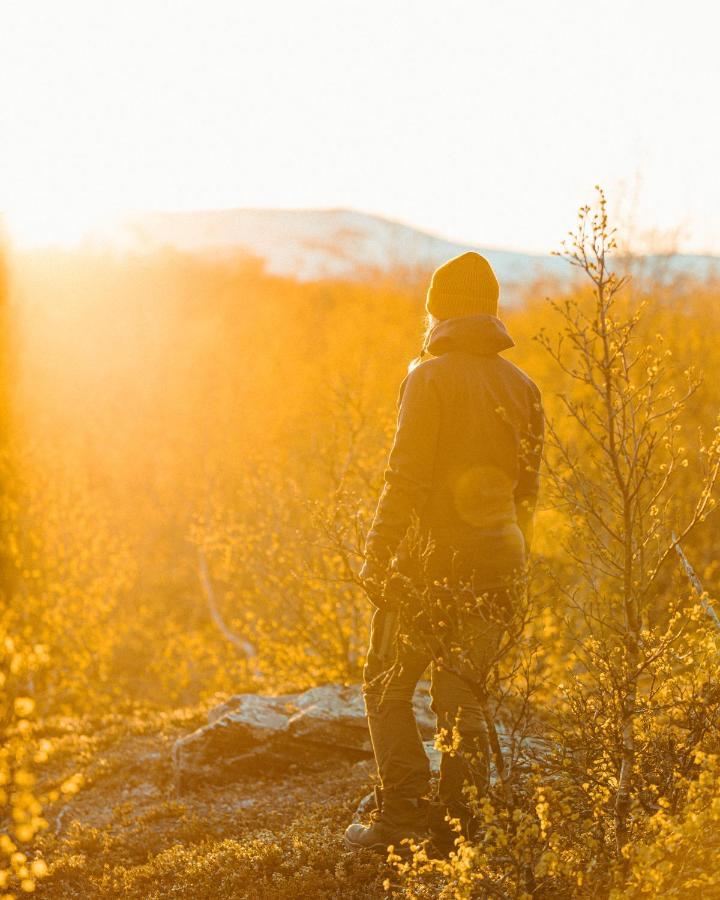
341 243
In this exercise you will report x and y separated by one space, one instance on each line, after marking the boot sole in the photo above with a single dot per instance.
401 850
373 848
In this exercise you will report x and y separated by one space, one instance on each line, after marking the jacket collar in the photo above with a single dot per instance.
483 335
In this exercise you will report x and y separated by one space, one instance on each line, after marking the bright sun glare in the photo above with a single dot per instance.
361 105
58 227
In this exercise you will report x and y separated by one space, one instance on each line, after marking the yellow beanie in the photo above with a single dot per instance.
463 286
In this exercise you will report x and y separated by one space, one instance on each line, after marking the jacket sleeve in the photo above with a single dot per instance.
531 447
409 472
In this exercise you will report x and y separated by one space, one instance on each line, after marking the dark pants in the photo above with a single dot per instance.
390 676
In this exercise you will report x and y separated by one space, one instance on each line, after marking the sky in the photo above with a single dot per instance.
484 122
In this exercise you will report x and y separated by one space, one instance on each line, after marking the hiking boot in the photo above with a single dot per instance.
442 833
393 820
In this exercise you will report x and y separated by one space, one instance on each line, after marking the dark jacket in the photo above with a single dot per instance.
466 456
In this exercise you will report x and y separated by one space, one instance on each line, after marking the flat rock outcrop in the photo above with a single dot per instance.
253 732
283 730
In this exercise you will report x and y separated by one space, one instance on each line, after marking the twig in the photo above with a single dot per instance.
245 647
696 583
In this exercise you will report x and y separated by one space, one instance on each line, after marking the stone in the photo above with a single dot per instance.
230 737
423 714
254 705
433 755
252 730
332 716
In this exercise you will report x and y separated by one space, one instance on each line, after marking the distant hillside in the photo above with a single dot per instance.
337 243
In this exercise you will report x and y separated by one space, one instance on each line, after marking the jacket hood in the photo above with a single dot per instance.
482 334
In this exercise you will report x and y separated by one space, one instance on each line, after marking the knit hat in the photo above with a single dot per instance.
463 286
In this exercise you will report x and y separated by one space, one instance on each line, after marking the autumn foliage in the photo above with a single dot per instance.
195 454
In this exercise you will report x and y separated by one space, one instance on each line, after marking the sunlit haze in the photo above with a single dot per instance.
486 123
353 544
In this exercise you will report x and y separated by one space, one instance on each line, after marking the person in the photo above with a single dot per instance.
464 471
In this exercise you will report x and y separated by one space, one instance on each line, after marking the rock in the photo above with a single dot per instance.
332 716
254 705
231 737
340 698
433 755
251 730
423 714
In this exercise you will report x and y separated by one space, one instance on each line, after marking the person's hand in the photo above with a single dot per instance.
372 576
